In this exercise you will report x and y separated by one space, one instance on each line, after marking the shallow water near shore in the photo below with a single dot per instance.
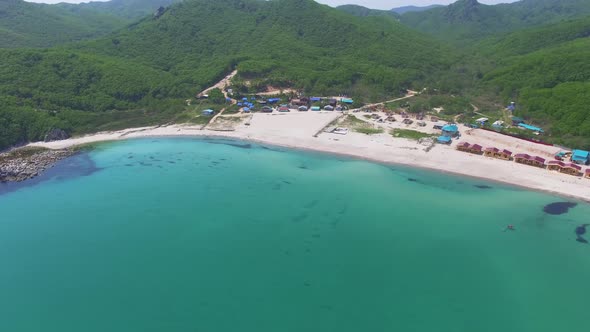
218 235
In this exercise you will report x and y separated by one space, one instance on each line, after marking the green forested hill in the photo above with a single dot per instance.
24 24
466 21
361 11
127 9
156 63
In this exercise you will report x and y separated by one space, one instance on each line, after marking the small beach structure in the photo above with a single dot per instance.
273 100
444 140
347 100
266 109
329 108
315 108
580 157
463 146
284 109
523 158
475 149
572 169
208 112
450 130
555 165
587 173
494 152
302 108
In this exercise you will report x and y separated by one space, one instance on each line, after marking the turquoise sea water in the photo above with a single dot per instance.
196 235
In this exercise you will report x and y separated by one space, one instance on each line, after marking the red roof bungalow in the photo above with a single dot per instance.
476 148
505 154
491 152
496 153
555 165
523 158
571 169
463 146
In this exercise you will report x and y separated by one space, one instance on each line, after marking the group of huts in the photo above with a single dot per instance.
571 168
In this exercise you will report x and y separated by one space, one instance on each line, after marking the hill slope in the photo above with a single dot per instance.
467 20
24 24
127 9
156 63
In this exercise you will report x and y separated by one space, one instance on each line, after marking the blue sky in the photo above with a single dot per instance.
376 4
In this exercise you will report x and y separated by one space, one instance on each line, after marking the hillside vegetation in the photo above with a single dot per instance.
24 24
155 64
466 21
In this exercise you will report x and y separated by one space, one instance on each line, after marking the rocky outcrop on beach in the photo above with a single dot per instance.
26 163
56 135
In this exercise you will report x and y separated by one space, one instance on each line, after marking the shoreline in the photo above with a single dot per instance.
381 148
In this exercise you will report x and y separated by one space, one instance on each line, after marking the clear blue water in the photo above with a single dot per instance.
197 235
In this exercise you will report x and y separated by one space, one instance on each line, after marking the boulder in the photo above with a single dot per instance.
56 135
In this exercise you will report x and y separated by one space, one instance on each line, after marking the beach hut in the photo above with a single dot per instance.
522 158
587 174
208 112
537 162
476 149
315 108
463 146
580 157
505 154
572 169
302 108
491 152
555 165
444 140
450 130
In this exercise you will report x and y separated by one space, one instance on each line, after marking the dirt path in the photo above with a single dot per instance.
221 85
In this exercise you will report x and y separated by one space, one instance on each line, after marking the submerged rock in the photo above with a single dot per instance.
558 208
26 163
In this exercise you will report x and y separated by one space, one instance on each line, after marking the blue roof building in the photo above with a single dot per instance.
450 130
274 100
444 139
580 157
315 99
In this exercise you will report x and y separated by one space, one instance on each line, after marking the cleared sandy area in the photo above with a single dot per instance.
297 130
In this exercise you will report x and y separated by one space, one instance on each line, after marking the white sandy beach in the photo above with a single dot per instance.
297 130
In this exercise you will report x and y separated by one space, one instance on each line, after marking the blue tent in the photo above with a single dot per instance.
315 99
347 100
274 100
450 130
246 109
252 98
444 139
580 157
240 104
227 99
245 99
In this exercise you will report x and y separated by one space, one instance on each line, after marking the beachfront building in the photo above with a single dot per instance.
523 158
444 140
555 165
475 148
580 157
572 169
497 153
463 146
